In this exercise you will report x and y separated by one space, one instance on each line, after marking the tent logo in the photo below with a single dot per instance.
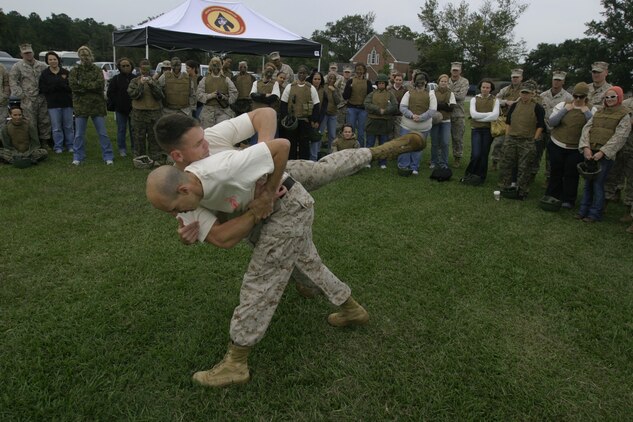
223 20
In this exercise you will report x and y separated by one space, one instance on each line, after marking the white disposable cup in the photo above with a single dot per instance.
497 194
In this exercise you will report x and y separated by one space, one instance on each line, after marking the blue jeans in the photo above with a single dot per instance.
410 160
357 117
329 123
440 140
371 141
123 122
63 129
80 138
592 202
481 140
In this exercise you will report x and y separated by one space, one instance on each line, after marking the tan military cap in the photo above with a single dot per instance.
166 63
274 55
516 72
347 69
599 66
26 48
456 66
581 88
559 74
528 86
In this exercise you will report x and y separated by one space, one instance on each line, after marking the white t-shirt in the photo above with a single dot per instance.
226 134
228 178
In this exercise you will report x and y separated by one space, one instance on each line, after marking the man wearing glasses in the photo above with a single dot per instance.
599 72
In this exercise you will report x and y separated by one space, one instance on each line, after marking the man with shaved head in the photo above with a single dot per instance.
235 194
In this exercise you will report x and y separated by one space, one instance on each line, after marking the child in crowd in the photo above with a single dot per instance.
346 139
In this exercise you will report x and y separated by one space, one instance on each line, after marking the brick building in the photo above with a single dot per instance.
380 50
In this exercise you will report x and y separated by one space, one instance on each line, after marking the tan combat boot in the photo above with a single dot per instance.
405 143
233 369
351 314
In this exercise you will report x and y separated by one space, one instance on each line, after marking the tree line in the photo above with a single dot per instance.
482 39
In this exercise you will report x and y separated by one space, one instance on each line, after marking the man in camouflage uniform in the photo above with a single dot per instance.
5 92
282 242
227 62
275 58
341 115
620 177
243 81
599 72
549 99
178 90
147 97
24 80
525 123
459 86
87 85
506 96
217 92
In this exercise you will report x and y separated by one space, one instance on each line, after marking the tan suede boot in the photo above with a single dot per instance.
405 143
233 369
351 314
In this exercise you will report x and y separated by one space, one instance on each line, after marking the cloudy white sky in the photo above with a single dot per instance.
545 21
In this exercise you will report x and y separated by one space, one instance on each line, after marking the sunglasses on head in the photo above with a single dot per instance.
610 97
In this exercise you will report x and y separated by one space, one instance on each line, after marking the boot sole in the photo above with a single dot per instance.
224 383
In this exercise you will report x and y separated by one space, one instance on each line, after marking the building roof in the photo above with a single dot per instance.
402 50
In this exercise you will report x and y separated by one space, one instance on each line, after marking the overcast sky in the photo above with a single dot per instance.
545 21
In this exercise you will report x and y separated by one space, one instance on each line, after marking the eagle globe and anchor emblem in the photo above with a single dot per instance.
223 20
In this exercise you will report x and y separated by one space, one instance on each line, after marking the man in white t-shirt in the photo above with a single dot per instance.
244 185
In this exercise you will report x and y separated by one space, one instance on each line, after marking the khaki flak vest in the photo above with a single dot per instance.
381 99
523 120
419 101
359 91
19 136
265 88
176 91
243 83
444 97
214 84
331 107
300 100
605 122
146 101
570 127
483 105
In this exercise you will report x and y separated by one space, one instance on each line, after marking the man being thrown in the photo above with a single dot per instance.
227 182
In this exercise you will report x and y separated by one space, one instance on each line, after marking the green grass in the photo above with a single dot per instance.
480 310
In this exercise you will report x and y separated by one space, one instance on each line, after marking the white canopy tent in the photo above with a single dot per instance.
218 27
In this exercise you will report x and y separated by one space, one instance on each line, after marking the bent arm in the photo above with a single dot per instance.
228 234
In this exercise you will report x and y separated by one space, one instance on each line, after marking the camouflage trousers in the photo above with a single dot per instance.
517 153
341 116
143 122
541 146
185 111
4 114
620 177
496 149
36 155
283 247
212 115
36 111
282 244
457 135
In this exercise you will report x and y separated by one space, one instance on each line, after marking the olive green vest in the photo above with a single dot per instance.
359 91
19 136
398 93
419 101
301 106
265 88
570 127
605 122
380 99
444 97
331 107
214 84
483 105
176 91
244 84
523 120
146 101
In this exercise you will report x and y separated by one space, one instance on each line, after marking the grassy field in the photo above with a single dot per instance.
480 310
